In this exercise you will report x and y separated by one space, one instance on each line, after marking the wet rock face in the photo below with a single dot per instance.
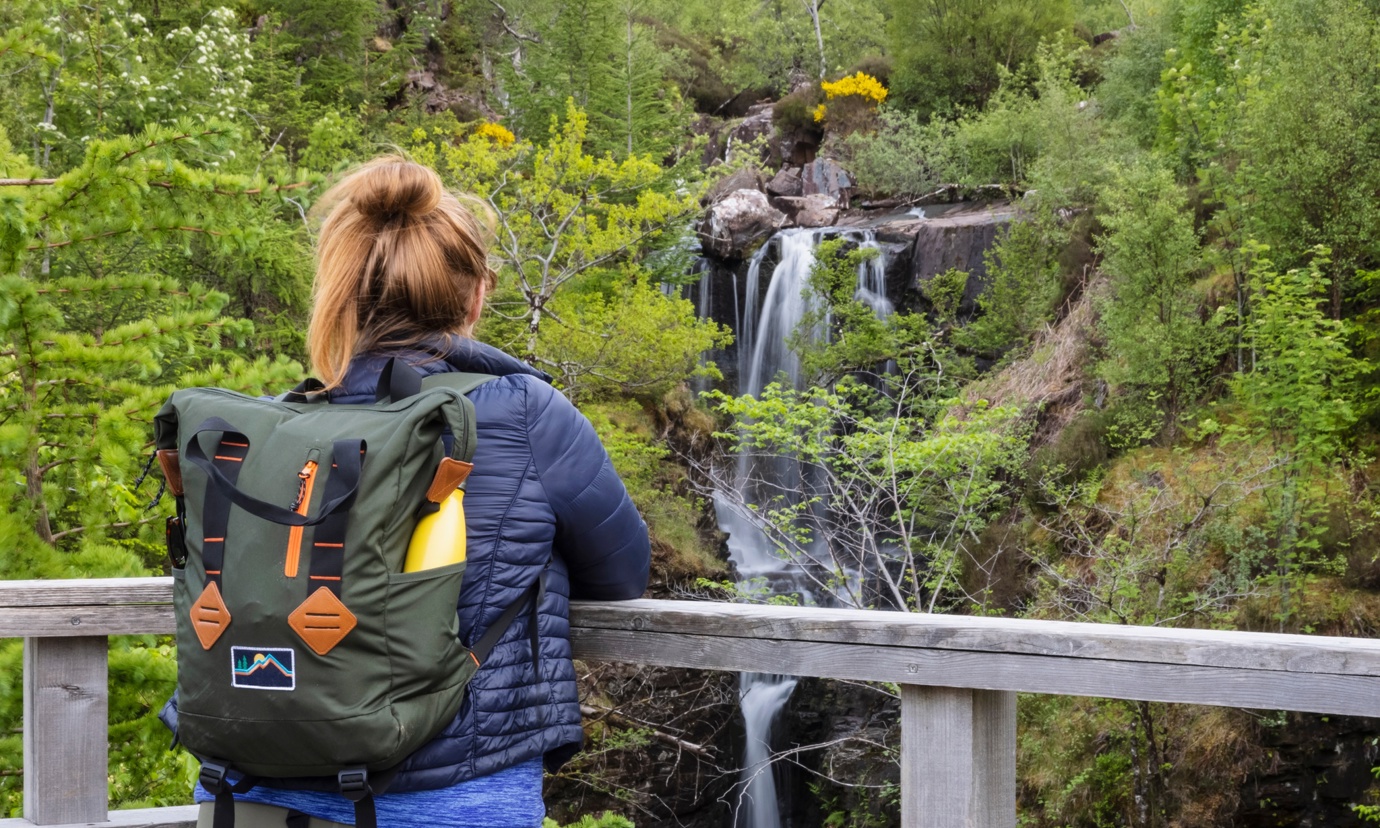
748 178
855 725
737 224
814 210
786 183
955 239
1323 768
756 125
826 176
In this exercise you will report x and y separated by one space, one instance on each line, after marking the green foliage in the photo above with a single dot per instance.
914 491
574 231
602 55
1023 283
794 114
604 820
1037 131
1301 401
1302 396
951 55
654 481
632 340
901 477
945 291
88 352
772 46
1158 344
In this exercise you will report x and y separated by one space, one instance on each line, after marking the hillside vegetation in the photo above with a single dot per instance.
1162 410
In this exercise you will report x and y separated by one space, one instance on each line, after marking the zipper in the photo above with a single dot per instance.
306 478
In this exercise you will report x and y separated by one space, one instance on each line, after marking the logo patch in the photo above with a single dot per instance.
262 668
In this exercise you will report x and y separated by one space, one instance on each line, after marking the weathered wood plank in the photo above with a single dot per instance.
958 758
47 622
994 748
1216 648
66 698
180 816
1187 684
142 605
86 592
936 757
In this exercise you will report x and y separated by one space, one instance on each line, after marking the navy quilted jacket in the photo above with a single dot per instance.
542 483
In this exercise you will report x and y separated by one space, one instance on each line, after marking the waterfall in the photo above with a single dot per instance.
763 355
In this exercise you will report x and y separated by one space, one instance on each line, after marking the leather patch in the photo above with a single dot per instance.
322 621
172 470
209 616
449 475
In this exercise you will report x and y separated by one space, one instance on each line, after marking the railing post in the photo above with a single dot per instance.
66 699
958 758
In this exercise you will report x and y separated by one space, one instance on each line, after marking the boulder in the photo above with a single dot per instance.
825 175
737 222
814 210
748 178
756 125
786 183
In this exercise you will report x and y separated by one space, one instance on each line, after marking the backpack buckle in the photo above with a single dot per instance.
213 776
354 783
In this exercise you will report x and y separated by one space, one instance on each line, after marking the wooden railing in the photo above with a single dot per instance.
958 676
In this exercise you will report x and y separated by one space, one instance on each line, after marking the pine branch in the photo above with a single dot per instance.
166 185
110 233
123 158
57 536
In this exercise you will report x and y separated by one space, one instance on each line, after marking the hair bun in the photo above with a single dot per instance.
396 188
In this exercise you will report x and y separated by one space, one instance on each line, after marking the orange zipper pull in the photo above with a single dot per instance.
306 478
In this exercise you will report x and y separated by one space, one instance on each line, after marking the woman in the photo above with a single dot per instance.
402 272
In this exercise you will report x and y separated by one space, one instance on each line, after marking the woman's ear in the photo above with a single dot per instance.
476 307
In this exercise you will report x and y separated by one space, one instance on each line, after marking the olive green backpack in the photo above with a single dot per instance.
307 657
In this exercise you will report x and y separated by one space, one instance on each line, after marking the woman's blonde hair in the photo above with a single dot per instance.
399 261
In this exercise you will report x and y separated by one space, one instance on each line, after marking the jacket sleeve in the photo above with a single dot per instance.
599 534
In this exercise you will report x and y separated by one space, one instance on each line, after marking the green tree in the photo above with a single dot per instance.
88 352
1159 346
1301 400
573 231
951 54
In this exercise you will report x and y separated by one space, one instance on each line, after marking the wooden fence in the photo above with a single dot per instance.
958 676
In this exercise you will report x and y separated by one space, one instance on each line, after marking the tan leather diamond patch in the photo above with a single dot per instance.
322 621
209 615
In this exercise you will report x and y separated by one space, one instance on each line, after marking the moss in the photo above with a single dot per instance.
681 547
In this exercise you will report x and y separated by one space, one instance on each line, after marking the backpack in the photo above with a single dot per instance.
307 657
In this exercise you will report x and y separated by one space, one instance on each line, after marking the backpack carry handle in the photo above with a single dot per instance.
398 380
346 454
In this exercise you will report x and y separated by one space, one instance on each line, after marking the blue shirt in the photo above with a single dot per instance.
510 798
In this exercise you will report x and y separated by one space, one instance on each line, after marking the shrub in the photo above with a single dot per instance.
795 113
852 103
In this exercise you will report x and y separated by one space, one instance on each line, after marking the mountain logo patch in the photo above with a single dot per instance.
263 668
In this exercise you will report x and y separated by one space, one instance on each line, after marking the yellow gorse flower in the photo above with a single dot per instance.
495 132
819 113
861 84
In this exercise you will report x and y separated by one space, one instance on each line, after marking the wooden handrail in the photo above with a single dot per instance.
959 677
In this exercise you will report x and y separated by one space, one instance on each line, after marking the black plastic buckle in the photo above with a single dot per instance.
213 776
354 783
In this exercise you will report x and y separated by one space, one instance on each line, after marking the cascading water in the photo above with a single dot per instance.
763 356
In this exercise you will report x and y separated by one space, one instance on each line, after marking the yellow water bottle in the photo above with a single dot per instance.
439 539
